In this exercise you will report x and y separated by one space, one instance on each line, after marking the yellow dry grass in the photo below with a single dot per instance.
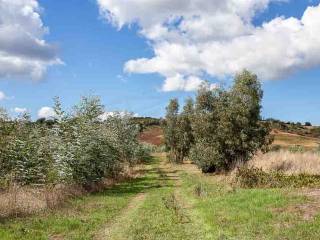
291 163
284 139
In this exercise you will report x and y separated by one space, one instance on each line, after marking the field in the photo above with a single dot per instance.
285 140
162 200
154 135
176 202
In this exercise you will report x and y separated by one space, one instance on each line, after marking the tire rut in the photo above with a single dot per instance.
106 232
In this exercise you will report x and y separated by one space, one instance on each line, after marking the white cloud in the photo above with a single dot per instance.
23 50
20 110
2 96
46 112
120 114
196 38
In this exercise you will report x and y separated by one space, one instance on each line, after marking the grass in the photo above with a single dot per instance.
161 216
247 213
78 219
286 140
288 162
175 202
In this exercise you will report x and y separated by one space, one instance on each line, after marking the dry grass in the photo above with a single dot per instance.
286 140
18 201
291 163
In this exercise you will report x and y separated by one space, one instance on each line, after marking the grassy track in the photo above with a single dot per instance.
173 202
79 219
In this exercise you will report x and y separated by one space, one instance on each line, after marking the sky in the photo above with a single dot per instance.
138 54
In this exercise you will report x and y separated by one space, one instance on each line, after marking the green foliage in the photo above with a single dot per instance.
76 147
227 124
222 128
255 177
145 122
177 130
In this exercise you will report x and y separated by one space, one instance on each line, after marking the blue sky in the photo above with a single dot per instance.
95 53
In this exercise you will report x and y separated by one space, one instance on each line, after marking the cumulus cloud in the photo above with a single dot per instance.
20 110
196 38
23 50
46 112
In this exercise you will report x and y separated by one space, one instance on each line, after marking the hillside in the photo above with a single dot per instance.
154 135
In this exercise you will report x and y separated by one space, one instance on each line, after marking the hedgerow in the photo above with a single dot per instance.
74 147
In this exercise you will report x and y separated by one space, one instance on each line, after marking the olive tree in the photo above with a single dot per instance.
227 126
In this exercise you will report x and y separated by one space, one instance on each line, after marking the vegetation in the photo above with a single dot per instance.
261 199
295 128
145 122
75 147
223 128
177 131
255 177
175 202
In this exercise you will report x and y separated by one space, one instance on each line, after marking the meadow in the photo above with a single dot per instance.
211 171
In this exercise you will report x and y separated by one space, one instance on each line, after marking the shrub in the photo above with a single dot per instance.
275 148
76 147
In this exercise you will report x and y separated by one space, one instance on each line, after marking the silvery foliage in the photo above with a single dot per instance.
76 147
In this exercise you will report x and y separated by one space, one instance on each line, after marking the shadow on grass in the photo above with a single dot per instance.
151 178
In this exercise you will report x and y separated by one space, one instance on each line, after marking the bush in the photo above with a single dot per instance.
275 148
76 147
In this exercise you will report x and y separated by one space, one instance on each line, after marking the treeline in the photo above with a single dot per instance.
145 122
76 147
222 127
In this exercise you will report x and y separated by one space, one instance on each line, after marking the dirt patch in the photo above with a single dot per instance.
307 210
153 135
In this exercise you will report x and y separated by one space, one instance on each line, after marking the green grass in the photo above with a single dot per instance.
229 213
80 218
160 216
193 207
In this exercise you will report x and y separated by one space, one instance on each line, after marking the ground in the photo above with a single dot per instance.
168 201
285 140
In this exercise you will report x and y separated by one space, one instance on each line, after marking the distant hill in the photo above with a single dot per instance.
285 134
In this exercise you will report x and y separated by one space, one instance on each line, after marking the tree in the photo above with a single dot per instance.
308 124
227 124
170 129
178 130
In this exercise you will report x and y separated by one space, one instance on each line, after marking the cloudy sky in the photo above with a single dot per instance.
137 54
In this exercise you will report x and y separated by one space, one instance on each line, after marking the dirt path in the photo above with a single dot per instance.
165 173
107 231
